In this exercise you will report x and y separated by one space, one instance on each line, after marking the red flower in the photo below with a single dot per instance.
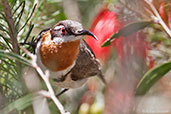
165 12
162 12
103 26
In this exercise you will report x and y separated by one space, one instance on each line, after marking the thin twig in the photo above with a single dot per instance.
158 17
44 93
45 76
12 31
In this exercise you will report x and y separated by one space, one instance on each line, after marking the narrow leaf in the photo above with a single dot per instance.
34 7
28 33
19 16
2 28
5 19
23 2
19 104
106 43
14 56
151 77
7 42
10 65
127 30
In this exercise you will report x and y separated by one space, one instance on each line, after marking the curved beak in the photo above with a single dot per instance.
86 32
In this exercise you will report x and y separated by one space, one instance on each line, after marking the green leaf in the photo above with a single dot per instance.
127 30
6 41
28 33
23 2
20 15
151 77
2 29
19 104
14 56
10 65
106 43
7 70
29 17
5 19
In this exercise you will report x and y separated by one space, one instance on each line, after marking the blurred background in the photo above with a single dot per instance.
124 61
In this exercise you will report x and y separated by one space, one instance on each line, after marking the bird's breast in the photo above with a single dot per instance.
58 56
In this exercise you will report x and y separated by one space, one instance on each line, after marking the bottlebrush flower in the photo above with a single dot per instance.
103 26
165 12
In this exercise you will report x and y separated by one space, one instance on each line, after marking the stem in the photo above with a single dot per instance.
45 77
168 31
51 92
11 25
12 31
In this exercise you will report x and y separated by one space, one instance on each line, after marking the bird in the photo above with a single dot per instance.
63 51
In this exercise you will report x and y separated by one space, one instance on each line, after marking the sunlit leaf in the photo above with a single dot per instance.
127 30
14 56
18 104
29 17
6 41
28 33
20 15
7 70
23 2
2 29
10 65
151 77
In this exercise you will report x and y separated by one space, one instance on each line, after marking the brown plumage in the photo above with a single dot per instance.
63 52
57 57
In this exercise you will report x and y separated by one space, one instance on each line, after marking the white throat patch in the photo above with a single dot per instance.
66 38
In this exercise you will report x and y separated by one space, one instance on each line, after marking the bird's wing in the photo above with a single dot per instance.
86 65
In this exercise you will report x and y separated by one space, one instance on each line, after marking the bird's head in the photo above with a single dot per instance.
68 30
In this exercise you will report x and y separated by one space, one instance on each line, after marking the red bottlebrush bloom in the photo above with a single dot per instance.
103 26
169 20
163 12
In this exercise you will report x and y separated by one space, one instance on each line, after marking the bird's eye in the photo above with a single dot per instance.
63 31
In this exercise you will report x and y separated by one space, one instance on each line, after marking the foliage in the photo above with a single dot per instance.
24 14
126 31
151 77
31 16
10 78
19 104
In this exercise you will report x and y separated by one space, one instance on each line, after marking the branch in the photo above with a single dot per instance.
11 25
12 31
50 93
158 18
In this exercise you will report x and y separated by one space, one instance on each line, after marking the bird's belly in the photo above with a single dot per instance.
68 82
58 57
53 74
